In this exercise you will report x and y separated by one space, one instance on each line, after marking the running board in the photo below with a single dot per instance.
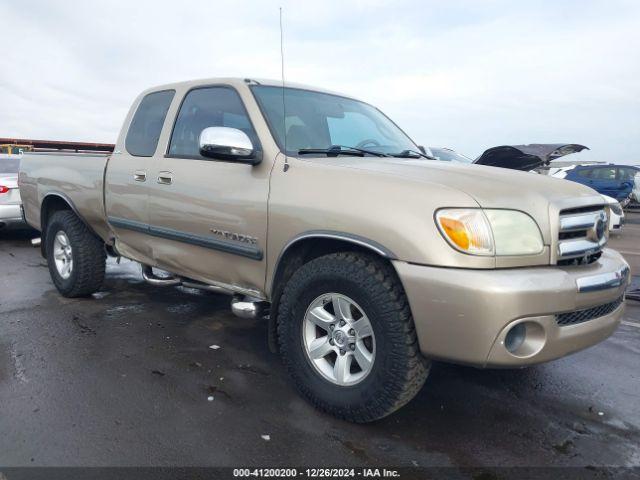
249 307
150 278
243 306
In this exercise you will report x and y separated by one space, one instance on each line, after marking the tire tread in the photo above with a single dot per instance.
379 278
89 256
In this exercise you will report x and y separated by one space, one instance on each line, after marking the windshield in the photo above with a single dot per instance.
447 155
317 120
9 165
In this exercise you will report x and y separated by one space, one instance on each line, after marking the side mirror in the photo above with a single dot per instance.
224 143
422 149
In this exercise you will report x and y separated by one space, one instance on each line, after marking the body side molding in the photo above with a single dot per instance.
225 246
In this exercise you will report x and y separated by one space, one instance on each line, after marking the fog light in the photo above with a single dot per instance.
515 337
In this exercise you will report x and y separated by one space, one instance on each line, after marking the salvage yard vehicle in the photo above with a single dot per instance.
10 204
526 157
515 157
445 154
316 211
615 181
615 214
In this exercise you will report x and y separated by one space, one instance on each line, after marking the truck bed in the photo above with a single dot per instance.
76 177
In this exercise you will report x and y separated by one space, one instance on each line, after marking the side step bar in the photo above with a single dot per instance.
243 306
152 279
249 307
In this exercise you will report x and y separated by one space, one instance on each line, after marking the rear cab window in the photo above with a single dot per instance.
146 125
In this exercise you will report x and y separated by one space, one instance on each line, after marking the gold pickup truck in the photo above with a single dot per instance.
315 211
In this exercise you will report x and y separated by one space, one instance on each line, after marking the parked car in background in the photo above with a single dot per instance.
445 154
10 203
526 157
633 174
514 157
616 214
615 181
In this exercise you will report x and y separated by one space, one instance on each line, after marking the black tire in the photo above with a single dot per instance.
88 256
399 370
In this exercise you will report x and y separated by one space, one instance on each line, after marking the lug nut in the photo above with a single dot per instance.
342 351
352 332
342 323
331 342
332 326
352 346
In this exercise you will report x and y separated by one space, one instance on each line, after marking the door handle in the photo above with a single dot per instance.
165 178
140 176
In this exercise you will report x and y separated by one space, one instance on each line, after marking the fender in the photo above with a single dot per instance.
43 227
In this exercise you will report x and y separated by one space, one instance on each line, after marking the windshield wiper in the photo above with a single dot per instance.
412 154
335 150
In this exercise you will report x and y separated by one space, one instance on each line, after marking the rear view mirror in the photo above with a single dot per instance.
224 143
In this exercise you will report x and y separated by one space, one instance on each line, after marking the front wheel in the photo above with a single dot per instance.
347 337
76 257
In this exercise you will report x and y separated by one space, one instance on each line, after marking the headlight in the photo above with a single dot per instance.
466 230
616 208
490 232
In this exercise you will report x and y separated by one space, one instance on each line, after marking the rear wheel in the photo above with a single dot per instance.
76 257
347 337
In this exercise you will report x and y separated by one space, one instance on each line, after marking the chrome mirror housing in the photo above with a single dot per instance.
224 143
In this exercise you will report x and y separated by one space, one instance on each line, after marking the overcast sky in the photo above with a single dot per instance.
465 74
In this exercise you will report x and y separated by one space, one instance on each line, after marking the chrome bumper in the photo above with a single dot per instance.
11 215
603 281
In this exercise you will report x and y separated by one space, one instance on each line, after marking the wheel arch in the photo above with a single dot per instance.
55 202
306 247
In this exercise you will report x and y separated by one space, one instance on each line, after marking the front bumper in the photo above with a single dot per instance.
11 215
464 315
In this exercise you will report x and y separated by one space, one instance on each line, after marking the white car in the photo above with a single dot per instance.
616 214
10 203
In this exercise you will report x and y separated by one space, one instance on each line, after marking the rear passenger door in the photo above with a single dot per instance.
208 217
128 177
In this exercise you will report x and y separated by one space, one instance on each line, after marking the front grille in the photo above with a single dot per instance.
573 211
586 260
582 235
580 316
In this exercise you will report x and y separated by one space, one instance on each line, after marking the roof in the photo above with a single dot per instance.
239 82
58 145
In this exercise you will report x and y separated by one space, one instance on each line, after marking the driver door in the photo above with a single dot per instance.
209 217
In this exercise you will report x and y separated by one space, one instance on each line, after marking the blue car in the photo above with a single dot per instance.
615 181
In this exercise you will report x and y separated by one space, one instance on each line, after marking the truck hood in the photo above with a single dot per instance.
490 187
526 157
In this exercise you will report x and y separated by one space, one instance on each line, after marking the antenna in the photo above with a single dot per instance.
284 108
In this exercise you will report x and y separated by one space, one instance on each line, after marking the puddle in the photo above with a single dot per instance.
123 310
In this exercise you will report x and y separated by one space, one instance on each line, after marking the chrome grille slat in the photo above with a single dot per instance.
580 316
579 239
578 222
578 248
